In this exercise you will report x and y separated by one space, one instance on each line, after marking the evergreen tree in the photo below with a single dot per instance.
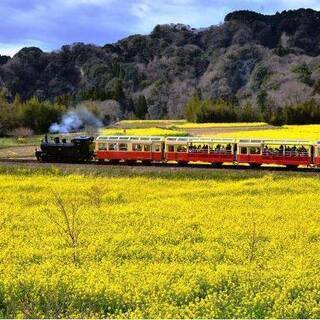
38 116
193 108
141 107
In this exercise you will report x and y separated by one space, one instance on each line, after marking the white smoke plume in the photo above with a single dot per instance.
76 119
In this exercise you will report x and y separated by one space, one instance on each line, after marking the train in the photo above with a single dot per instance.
79 149
182 150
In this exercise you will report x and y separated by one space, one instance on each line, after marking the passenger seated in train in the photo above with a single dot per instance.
285 150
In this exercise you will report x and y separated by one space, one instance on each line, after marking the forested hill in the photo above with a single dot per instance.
249 59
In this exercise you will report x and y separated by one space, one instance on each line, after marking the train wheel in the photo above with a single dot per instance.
182 163
114 161
255 165
131 162
217 165
292 167
146 162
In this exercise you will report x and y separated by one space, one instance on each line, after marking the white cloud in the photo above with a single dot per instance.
12 49
9 50
150 13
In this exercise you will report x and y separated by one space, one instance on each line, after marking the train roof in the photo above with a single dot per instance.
131 138
275 141
182 140
186 139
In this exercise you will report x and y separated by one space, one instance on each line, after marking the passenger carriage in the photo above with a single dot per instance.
193 149
290 153
129 148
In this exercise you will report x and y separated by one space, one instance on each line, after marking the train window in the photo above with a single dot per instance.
112 147
243 150
156 148
147 147
102 146
255 150
123 147
170 148
137 147
181 148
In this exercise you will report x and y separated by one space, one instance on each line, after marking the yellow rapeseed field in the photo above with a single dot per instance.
309 132
191 125
170 244
153 131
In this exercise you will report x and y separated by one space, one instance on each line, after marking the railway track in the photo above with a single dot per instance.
30 162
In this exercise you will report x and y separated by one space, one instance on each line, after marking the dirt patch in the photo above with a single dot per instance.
17 152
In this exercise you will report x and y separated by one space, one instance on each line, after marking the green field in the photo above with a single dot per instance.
16 141
116 242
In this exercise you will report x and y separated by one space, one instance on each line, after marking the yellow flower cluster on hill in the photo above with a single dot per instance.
308 132
185 244
143 132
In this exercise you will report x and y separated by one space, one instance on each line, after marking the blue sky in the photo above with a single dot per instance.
49 24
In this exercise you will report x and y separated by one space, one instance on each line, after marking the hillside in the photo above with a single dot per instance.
249 58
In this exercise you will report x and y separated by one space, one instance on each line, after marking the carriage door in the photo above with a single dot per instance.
312 155
163 145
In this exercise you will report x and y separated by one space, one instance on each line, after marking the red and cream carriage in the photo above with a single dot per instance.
129 148
290 153
199 149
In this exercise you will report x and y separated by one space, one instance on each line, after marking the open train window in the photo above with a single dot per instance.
181 148
156 148
170 148
123 147
147 147
102 146
136 147
244 150
112 147
255 150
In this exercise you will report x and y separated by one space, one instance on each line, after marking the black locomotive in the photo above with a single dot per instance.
79 149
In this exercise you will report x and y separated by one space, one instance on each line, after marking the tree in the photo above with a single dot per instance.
8 114
117 90
278 118
141 107
38 116
192 108
262 98
68 222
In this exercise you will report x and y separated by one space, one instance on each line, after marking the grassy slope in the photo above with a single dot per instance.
201 244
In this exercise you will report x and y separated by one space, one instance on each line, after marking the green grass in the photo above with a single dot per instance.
148 123
186 244
14 141
182 124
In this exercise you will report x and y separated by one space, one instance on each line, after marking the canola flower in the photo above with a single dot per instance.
305 132
143 132
214 244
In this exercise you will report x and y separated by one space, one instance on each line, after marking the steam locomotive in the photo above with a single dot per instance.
79 149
